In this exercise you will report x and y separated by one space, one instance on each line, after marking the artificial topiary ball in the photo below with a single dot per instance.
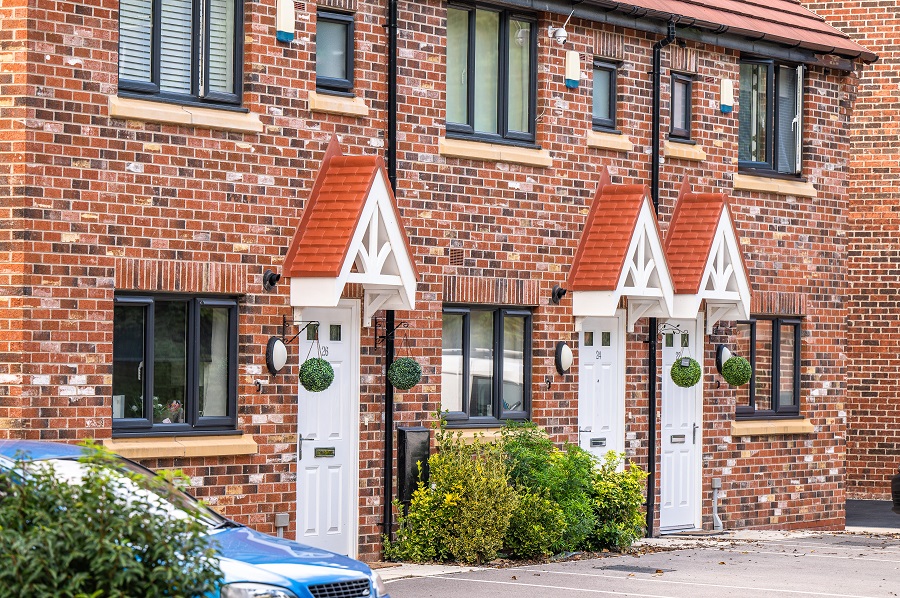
737 371
686 376
316 374
404 373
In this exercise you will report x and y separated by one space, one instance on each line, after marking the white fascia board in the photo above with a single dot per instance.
315 292
600 304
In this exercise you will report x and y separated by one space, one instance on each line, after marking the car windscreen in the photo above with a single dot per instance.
130 480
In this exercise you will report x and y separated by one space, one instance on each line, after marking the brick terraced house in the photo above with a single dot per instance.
426 178
873 308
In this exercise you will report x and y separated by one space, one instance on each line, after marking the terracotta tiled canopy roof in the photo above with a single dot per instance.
351 232
607 234
690 236
322 239
779 21
705 259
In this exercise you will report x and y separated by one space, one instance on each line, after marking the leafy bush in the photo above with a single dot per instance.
463 511
105 537
404 373
536 526
563 476
617 500
737 371
686 376
316 374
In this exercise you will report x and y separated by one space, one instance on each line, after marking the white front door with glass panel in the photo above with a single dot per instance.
328 459
681 431
601 385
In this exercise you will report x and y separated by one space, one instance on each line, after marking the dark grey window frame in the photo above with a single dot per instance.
333 85
607 124
675 133
195 424
499 415
771 166
151 90
467 130
777 411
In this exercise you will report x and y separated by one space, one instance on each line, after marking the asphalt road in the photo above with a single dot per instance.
835 565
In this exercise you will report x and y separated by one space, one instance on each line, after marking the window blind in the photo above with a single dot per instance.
135 39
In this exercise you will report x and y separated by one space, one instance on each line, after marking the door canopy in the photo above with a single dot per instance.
620 255
351 232
706 260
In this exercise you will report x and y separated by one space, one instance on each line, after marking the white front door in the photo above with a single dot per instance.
328 431
682 428
601 385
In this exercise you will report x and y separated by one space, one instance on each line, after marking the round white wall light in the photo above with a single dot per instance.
276 355
564 357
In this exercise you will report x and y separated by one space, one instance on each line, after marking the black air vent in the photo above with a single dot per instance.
358 588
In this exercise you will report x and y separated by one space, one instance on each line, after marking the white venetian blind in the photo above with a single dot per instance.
175 47
135 32
221 46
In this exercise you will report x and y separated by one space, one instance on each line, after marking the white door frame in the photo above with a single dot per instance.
353 470
697 347
618 444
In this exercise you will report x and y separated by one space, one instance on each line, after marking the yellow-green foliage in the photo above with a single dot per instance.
617 499
537 525
462 513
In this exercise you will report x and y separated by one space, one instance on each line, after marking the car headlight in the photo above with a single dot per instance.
254 590
380 588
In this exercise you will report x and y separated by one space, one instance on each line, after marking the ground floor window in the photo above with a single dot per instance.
174 363
486 364
772 345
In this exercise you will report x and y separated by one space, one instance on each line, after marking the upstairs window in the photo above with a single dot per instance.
681 107
181 50
174 364
486 365
491 73
770 117
334 52
772 345
604 96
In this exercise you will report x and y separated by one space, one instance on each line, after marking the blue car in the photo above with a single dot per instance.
254 565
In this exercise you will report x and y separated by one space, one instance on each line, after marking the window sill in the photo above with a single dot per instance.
334 104
684 151
773 427
470 435
494 152
191 116
747 182
182 446
610 141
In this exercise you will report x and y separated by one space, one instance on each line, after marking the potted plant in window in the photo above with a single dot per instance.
404 373
685 372
316 374
735 369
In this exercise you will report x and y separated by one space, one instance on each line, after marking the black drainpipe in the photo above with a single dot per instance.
389 314
653 327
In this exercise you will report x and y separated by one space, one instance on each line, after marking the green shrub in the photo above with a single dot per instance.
563 476
737 371
316 374
404 373
536 526
686 376
617 500
106 536
463 512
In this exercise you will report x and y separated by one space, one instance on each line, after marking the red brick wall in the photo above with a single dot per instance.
873 344
119 204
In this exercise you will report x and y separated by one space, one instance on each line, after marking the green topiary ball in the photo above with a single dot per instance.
316 374
686 376
737 371
404 373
